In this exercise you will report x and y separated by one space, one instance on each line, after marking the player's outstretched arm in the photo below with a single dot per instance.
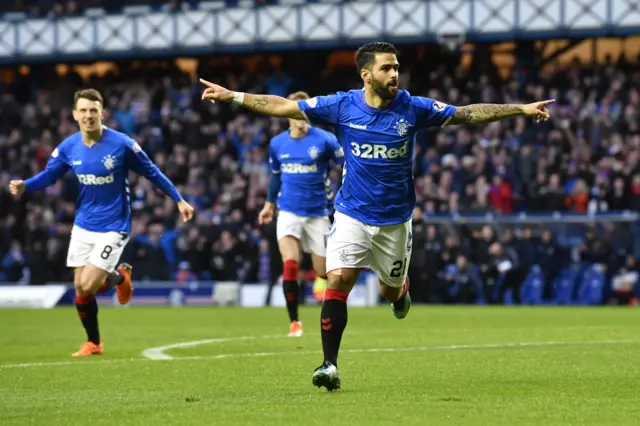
486 113
272 105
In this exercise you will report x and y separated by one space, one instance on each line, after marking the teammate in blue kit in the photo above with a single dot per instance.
300 160
376 126
101 159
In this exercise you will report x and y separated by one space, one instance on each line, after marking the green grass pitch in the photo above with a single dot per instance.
439 366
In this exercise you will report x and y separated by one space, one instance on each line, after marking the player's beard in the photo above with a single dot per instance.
383 90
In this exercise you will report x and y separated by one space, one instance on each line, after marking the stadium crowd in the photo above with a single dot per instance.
584 160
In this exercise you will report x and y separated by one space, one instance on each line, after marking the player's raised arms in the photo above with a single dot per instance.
280 107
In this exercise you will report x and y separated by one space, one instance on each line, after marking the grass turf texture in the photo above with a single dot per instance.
580 367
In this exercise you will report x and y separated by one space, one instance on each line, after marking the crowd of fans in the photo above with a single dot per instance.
584 160
473 264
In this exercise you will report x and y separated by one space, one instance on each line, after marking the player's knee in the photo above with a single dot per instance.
342 280
290 252
81 289
86 286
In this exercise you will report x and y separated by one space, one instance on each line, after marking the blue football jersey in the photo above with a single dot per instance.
304 165
378 186
102 170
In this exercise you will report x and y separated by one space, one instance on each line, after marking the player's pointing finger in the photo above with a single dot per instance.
206 83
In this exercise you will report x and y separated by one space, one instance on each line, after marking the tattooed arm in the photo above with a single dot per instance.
486 113
275 106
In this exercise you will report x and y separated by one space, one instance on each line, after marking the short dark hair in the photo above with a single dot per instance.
90 94
366 54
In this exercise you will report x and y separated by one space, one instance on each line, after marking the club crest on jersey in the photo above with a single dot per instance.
402 127
109 162
439 106
313 152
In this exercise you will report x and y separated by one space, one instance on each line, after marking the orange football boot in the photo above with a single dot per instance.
295 329
125 288
88 349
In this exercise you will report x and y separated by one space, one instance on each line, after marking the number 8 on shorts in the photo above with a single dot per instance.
101 249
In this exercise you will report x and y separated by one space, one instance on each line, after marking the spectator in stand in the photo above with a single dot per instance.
508 272
634 201
463 281
625 283
13 263
525 247
578 201
618 199
500 195
428 246
479 243
550 257
596 249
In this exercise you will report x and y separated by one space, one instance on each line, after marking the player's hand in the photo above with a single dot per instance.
538 110
185 210
214 93
16 187
266 214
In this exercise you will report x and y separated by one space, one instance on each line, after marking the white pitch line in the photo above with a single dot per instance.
410 349
158 352
62 363
360 350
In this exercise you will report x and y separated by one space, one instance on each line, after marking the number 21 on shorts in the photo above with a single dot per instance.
399 267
